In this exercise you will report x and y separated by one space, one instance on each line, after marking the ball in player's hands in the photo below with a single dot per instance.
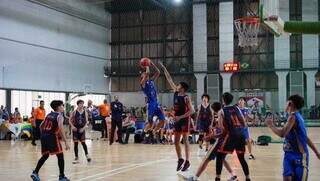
145 62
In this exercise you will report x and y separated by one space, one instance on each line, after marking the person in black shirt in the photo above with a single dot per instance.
116 119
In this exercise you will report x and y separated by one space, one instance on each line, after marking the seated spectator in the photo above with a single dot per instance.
128 126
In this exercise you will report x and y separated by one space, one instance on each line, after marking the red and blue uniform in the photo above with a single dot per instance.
234 136
154 108
180 108
79 122
50 143
296 155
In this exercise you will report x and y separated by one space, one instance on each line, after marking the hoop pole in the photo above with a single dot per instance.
302 27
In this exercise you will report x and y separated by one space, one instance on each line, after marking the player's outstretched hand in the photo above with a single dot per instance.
67 146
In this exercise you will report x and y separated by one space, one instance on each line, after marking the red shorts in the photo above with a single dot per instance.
50 144
182 126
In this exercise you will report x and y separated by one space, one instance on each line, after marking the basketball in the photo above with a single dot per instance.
145 62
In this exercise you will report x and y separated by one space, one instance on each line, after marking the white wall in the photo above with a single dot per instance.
2 97
96 99
42 49
25 100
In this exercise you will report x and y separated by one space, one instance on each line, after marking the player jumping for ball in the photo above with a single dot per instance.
182 111
296 155
150 91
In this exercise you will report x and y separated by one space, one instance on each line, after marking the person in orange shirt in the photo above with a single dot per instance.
104 110
39 116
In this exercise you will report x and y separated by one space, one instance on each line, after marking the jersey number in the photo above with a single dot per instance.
47 126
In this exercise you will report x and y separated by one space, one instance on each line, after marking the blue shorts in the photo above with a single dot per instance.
155 110
246 133
203 126
296 165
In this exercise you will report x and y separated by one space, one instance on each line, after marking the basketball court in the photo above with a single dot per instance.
155 59
141 162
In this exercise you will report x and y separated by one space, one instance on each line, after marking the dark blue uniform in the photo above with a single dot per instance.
116 120
204 119
296 155
154 109
180 108
49 128
234 136
79 122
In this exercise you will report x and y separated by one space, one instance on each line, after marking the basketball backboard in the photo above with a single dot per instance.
269 16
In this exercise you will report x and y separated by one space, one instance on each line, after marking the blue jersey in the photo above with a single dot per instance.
245 111
296 136
150 91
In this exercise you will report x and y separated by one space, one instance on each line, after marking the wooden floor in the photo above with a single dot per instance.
137 162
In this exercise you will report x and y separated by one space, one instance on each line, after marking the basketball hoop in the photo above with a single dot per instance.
248 29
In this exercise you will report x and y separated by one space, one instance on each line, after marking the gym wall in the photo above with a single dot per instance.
43 49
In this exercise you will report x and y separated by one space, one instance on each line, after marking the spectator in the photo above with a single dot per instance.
16 116
1 112
5 115
104 110
39 115
128 126
116 119
89 110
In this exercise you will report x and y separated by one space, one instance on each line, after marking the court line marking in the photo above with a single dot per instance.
123 169
135 167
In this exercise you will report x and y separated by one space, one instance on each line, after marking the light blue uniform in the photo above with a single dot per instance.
245 112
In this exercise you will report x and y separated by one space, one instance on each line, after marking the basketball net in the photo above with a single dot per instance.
247 29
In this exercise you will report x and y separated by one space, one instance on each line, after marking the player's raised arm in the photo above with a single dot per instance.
144 78
157 73
169 78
